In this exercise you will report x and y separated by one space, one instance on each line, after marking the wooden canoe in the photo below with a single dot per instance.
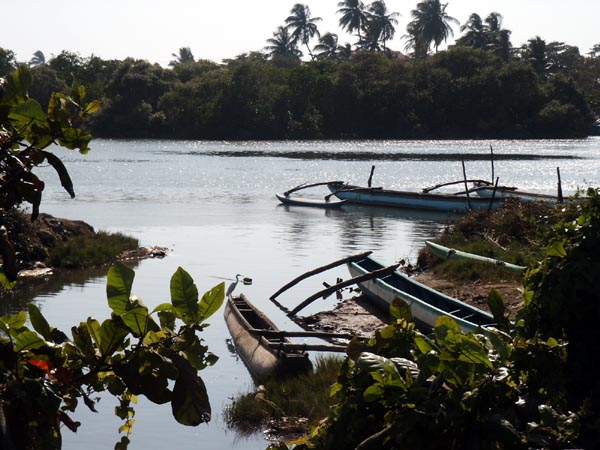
315 202
264 356
449 253
411 200
426 304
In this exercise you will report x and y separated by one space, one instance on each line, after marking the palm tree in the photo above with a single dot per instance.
327 47
353 16
475 35
184 55
381 23
38 59
303 27
534 52
282 45
430 25
487 34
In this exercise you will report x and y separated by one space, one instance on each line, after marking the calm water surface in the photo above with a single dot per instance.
212 204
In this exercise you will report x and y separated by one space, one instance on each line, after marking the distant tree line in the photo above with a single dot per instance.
480 87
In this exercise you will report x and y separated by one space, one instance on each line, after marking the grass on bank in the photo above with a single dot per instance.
511 233
91 251
304 396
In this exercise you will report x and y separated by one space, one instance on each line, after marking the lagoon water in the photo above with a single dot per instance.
212 204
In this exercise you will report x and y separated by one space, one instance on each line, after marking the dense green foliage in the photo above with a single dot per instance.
45 374
91 251
531 384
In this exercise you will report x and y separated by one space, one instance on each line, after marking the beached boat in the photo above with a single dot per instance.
426 303
255 338
412 200
449 253
315 202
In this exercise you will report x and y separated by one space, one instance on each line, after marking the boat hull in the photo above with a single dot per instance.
314 202
256 351
426 304
511 192
411 200
449 253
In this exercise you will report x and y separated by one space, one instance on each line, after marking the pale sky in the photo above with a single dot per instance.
220 29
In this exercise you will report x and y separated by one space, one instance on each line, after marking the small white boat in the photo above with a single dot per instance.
315 202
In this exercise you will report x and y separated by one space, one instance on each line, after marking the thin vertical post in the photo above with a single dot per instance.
560 194
371 176
493 195
466 185
492 159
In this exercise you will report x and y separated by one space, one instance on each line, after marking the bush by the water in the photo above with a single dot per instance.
91 251
305 396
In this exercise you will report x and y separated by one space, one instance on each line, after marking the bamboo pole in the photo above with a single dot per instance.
307 347
367 276
437 186
310 273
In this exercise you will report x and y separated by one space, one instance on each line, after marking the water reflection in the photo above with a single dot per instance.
29 289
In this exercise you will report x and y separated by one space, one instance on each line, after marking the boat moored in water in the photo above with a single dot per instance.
255 338
413 200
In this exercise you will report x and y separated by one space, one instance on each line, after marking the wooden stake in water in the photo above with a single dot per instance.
560 194
371 176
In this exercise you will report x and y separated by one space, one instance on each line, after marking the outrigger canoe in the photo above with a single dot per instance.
449 253
254 336
315 202
426 304
376 196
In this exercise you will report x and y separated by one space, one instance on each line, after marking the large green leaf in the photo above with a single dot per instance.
139 322
111 337
118 287
211 301
184 296
27 340
26 113
190 403
498 310
39 322
13 322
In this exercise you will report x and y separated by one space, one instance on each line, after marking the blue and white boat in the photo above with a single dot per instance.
426 304
375 196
